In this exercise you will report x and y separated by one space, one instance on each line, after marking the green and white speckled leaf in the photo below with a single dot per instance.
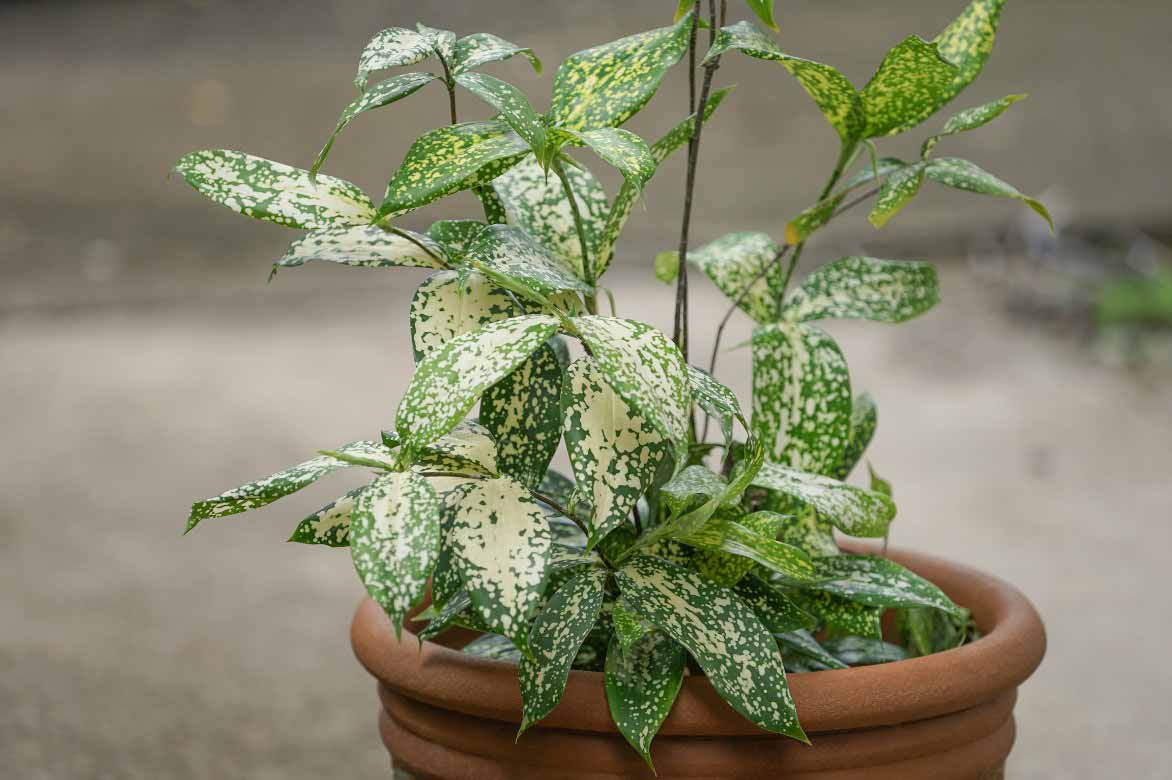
500 547
623 150
395 540
273 191
613 450
523 412
879 582
970 119
513 253
865 288
469 448
536 203
801 396
864 421
733 261
805 529
382 94
968 41
456 611
841 613
716 400
451 159
392 48
330 525
512 106
450 380
911 84
642 682
969 177
691 487
721 632
443 42
367 246
733 538
495 647
557 634
833 92
728 568
884 166
862 651
478 49
897 191
647 371
629 628
802 643
776 612
852 510
254 495
456 235
606 85
805 224
764 11
449 304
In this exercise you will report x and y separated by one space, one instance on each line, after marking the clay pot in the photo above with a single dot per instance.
454 716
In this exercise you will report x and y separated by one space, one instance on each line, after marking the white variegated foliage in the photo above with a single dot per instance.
852 510
865 288
737 263
523 412
329 525
392 48
478 49
369 246
449 304
517 256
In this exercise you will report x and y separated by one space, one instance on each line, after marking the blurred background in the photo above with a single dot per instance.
1026 423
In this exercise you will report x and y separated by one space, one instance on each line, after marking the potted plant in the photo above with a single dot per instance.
674 583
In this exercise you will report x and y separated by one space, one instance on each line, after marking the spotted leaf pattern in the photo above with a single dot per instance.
366 246
449 304
642 682
806 529
523 413
805 224
970 119
729 536
803 644
392 48
512 253
694 485
622 149
852 510
969 177
728 568
840 613
330 525
897 191
776 612
469 448
912 83
865 288
478 49
864 421
493 646
968 41
737 262
863 651
512 106
879 582
443 42
629 628
456 235
716 400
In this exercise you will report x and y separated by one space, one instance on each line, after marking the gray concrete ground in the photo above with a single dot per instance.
146 364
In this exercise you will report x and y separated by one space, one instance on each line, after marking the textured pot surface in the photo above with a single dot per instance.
453 716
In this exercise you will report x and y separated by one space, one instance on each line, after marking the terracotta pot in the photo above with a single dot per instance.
454 716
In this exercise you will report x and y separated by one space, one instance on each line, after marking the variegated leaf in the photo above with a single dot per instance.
456 235
469 448
968 41
451 159
840 613
728 568
395 540
926 631
368 246
512 253
691 487
523 413
623 150
392 48
879 582
736 262
852 510
912 83
254 495
864 421
329 525
478 49
775 611
614 451
642 682
716 400
970 119
536 202
273 191
879 169
801 396
513 107
836 97
449 381
897 191
721 632
863 651
606 85
449 304
865 288
500 548
494 646
456 611
382 94
969 177
805 224
803 644
729 536
554 640
645 369
443 42
629 628
805 528
682 525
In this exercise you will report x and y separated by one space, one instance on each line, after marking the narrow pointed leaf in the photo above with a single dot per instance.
691 487
841 613
852 510
806 529
642 682
897 191
731 537
970 119
737 262
716 400
883 167
809 221
443 42
912 83
623 150
523 412
449 304
511 104
776 612
456 236
864 421
330 525
725 568
366 246
629 628
968 41
865 288
495 647
478 49
803 643
863 651
879 582
392 48
513 253
764 11
969 177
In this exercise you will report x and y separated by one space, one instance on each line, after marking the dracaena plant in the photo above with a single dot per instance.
662 551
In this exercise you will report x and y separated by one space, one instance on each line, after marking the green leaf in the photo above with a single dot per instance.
864 421
392 48
863 651
469 449
451 159
883 167
928 631
801 396
629 628
833 92
721 632
694 485
254 495
395 540
805 224
448 382
513 107
613 450
536 203
382 94
495 647
457 611
852 510
716 400
523 413
366 246
456 235
621 149
606 85
500 548
443 42
911 84
736 262
512 253
667 266
879 582
841 613
764 11
642 682
555 638
964 175
865 288
478 49
329 525
273 191
970 119
451 303
645 369
728 569
878 484
803 644
897 191
777 613
805 529
731 537
968 41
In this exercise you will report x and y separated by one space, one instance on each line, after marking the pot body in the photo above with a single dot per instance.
451 716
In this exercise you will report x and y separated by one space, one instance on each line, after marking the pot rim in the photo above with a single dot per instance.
1012 644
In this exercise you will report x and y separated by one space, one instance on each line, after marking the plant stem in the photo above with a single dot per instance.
450 83
797 255
588 269
553 504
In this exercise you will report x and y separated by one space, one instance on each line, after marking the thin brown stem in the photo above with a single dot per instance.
556 506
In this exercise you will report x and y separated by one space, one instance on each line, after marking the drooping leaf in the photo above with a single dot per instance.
449 304
500 548
970 119
623 150
879 582
367 246
968 41
523 413
897 191
864 421
776 612
443 42
614 451
512 253
494 646
721 632
737 262
478 49
865 288
801 396
273 191
642 682
912 83
449 381
554 640
606 85
512 105
392 48
803 644
840 613
729 536
969 177
329 525
852 510
863 651
456 611
395 540
451 159
716 400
